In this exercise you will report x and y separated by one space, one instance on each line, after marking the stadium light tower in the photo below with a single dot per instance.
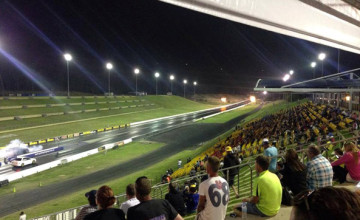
195 84
313 65
109 66
185 81
291 72
286 77
172 77
68 58
156 77
136 71
321 57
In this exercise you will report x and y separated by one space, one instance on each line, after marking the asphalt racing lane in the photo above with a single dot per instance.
176 141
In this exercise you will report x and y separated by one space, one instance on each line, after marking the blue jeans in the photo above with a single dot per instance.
252 209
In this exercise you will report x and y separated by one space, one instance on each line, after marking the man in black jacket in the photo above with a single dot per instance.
231 160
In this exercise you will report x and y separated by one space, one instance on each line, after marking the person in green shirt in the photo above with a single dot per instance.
267 192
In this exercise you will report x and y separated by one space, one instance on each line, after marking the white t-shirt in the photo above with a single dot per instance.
22 217
129 203
216 191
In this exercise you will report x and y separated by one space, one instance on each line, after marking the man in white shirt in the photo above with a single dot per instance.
22 216
214 194
132 200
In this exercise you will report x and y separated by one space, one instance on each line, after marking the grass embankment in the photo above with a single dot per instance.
82 167
164 106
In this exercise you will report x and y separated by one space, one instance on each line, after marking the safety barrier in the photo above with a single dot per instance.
40 168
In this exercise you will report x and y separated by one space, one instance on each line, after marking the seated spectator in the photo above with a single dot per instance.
267 192
92 207
105 200
150 208
176 199
293 175
327 203
132 200
351 161
319 170
191 199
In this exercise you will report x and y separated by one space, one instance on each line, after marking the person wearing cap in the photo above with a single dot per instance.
191 199
230 160
272 153
91 195
132 200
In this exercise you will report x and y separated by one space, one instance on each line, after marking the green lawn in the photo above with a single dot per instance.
84 166
227 116
164 106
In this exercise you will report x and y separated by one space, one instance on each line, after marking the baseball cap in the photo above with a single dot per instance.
265 140
228 148
91 194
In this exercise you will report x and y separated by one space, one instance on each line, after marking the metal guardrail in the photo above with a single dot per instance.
159 191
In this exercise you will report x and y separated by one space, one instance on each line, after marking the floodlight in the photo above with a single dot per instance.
68 57
109 66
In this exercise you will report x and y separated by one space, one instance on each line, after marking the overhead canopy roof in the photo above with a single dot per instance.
334 23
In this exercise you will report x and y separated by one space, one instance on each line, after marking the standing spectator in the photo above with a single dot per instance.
105 200
319 170
293 175
351 161
231 160
328 203
267 192
88 208
191 199
132 200
176 199
272 153
22 216
179 163
150 208
214 193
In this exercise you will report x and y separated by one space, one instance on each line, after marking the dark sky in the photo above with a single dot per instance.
223 56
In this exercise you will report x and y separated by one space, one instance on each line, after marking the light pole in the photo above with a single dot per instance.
185 81
291 72
195 83
172 77
68 58
109 66
136 71
321 57
156 77
313 65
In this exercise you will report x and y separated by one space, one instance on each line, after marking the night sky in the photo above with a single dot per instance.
222 56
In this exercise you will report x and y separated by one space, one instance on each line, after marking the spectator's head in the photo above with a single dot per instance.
130 191
21 213
338 152
172 188
326 203
228 150
313 151
143 188
213 164
193 188
265 143
292 160
105 197
351 147
91 196
261 163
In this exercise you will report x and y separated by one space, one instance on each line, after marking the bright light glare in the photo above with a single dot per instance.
172 77
265 92
322 56
291 72
313 64
347 98
223 99
286 77
195 83
109 66
136 71
68 57
252 99
157 74
185 81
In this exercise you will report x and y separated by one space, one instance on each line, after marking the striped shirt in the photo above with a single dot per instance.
85 211
319 172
